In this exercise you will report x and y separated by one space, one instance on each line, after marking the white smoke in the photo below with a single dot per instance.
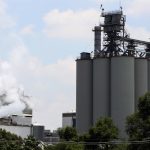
12 98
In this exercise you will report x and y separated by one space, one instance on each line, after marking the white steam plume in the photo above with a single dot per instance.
12 98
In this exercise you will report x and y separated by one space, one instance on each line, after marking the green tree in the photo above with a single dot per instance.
74 147
49 147
60 132
9 141
138 124
121 147
31 143
67 133
65 146
103 131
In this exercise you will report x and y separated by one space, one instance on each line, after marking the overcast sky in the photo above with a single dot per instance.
40 40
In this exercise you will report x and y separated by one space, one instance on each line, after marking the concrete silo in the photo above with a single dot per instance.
141 78
122 90
101 88
84 92
110 83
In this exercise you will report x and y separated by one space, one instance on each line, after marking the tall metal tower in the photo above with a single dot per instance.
116 41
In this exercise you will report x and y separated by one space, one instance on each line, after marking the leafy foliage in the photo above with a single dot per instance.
31 143
65 146
138 124
9 141
67 133
103 131
121 147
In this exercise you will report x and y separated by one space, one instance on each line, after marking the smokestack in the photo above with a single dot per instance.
97 40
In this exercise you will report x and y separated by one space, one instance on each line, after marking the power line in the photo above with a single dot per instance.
145 141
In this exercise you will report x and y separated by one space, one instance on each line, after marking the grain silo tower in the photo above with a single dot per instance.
101 77
110 83
84 92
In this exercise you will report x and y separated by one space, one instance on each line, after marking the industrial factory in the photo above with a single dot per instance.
22 126
16 117
111 79
19 125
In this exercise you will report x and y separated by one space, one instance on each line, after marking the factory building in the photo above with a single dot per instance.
22 126
46 136
69 119
19 125
110 80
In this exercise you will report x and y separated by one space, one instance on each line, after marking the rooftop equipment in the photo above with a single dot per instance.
116 41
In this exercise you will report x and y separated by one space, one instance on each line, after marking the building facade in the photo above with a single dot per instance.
69 119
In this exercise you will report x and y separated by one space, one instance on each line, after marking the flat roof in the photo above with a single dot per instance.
69 114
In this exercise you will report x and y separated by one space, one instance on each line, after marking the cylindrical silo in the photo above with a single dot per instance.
122 90
148 75
141 78
101 88
84 93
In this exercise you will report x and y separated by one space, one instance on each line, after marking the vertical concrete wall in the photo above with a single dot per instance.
22 131
109 87
84 95
141 78
148 74
122 90
38 132
101 88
